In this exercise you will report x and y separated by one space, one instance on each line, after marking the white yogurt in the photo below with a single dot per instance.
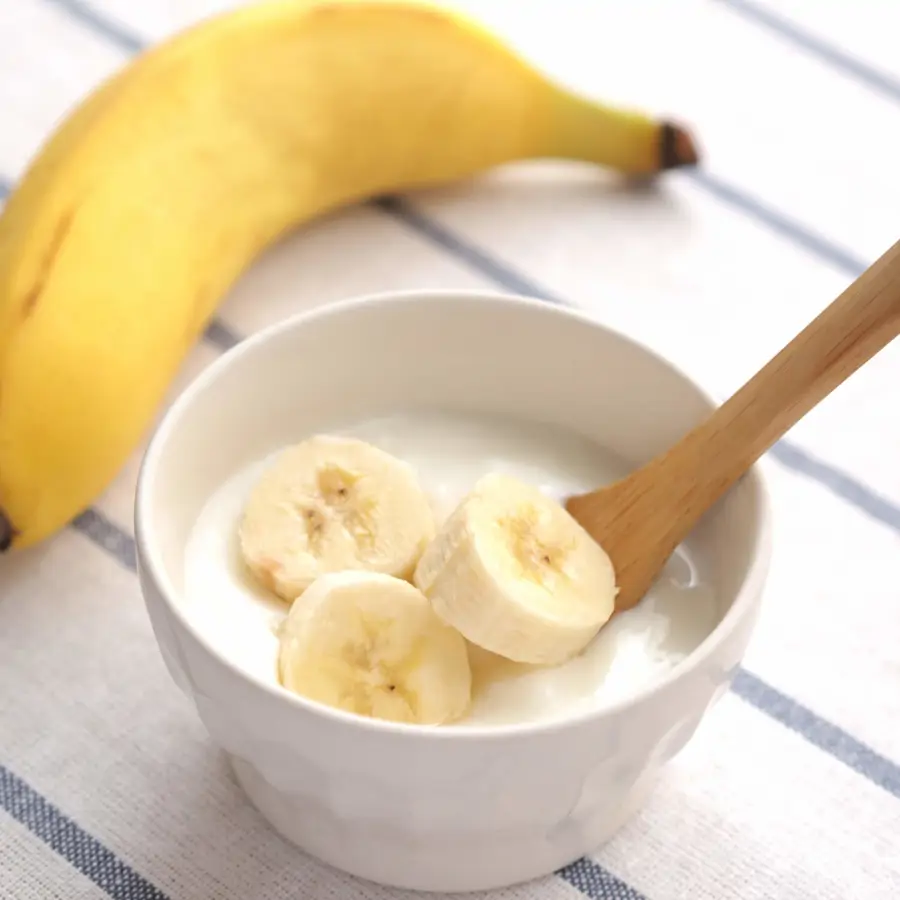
451 452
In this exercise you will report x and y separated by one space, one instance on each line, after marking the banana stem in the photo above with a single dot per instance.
625 140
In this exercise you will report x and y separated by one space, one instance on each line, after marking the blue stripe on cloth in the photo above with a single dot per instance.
108 537
833 740
101 25
838 483
71 842
220 335
462 249
595 882
787 228
828 53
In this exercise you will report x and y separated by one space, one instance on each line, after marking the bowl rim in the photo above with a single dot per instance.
744 604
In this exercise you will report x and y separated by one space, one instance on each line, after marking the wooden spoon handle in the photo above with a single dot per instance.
849 332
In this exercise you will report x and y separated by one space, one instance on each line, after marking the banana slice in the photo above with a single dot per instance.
330 504
371 644
517 575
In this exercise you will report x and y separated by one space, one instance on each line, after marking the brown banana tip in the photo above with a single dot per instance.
676 147
7 532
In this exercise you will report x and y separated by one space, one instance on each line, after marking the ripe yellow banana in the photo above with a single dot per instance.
157 192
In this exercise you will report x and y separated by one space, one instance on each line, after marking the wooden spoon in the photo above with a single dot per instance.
641 519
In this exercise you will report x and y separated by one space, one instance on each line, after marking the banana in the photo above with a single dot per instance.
149 201
371 644
333 503
515 574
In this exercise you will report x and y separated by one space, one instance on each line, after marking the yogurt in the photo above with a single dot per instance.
451 452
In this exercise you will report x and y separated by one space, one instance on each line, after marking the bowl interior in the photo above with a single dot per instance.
485 354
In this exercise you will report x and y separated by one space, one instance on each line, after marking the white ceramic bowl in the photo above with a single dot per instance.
437 809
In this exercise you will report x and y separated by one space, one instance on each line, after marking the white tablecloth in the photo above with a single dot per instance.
791 789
